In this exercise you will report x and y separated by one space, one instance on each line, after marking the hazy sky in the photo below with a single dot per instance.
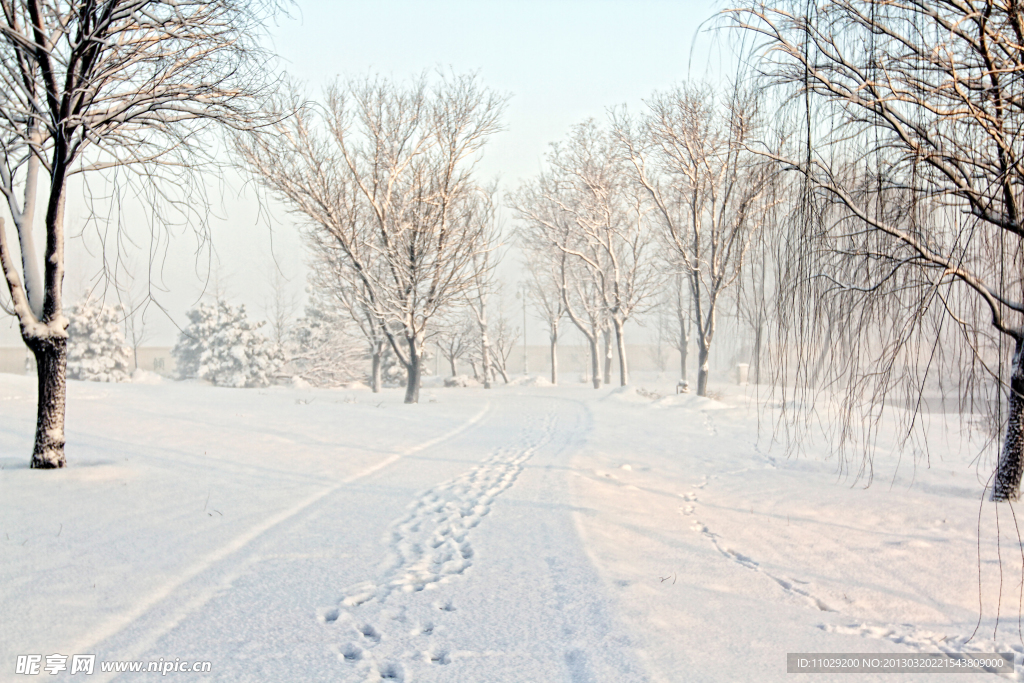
561 61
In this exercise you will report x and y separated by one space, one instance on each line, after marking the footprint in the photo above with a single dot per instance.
352 653
370 632
392 671
424 629
428 546
740 558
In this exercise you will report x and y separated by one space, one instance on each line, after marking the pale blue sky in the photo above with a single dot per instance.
561 61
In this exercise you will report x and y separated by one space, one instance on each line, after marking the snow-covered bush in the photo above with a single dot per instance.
223 346
96 347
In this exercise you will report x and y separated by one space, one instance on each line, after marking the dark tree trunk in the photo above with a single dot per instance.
451 362
1011 462
412 375
620 345
51 365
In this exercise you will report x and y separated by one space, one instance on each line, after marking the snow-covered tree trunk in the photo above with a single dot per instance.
485 349
376 354
705 325
554 352
1011 460
595 362
51 361
485 342
703 366
620 345
607 355
684 342
503 372
683 316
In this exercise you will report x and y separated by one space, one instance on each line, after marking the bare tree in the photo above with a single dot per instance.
455 339
707 191
544 265
679 326
135 308
280 307
482 279
386 172
324 347
586 208
87 85
340 286
549 229
505 338
912 216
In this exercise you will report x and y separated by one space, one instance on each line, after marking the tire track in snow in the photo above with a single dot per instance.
431 546
120 622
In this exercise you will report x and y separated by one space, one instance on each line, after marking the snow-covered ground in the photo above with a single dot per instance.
526 534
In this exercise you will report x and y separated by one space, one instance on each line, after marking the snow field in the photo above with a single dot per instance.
727 552
527 533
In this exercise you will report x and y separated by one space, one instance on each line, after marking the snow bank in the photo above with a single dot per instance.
461 381
140 376
628 395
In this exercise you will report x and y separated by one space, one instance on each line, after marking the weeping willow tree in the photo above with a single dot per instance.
899 268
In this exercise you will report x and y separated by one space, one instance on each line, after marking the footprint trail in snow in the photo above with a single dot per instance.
381 630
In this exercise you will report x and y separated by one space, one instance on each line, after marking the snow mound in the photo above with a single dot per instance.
690 401
141 376
532 381
461 381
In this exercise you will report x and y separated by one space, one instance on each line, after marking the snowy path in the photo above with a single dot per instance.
456 559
